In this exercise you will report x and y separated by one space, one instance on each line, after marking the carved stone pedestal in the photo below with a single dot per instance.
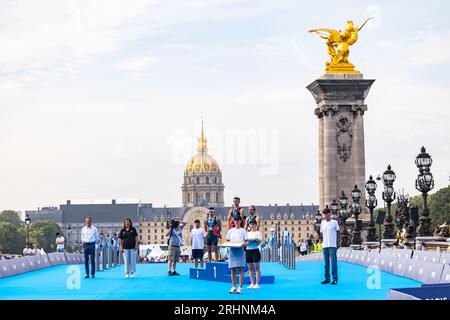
340 110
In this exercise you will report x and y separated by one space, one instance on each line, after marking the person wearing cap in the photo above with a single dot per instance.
235 211
329 229
213 228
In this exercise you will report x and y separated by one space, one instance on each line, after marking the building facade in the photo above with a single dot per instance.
202 188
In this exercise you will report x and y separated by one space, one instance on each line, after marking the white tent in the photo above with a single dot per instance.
156 252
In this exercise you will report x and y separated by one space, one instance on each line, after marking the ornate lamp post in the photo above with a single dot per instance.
356 209
371 203
68 238
318 222
424 183
344 214
389 196
27 224
334 207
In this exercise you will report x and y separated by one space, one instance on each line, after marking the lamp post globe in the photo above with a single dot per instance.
343 216
27 224
371 203
318 222
356 210
424 184
389 196
68 238
334 207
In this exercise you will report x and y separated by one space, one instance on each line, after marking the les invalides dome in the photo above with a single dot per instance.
202 184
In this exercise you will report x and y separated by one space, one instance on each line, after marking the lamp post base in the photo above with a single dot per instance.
388 231
371 234
357 240
345 240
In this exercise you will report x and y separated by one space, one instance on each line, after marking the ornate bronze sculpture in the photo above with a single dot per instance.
442 232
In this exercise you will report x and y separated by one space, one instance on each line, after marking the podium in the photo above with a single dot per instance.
219 271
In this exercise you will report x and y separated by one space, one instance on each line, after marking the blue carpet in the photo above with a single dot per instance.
152 283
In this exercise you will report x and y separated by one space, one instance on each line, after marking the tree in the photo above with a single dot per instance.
11 240
438 203
12 217
43 233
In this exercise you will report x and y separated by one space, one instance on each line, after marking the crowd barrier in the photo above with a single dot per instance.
288 255
20 265
428 267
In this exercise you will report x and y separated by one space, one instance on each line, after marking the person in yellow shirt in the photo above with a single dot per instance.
319 246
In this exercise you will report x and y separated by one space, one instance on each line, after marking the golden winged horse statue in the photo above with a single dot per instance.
338 43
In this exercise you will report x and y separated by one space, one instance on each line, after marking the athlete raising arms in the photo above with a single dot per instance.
235 211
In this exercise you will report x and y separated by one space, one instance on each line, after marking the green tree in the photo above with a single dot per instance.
11 216
438 203
11 240
43 233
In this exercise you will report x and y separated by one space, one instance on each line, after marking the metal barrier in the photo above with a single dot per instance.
288 250
265 251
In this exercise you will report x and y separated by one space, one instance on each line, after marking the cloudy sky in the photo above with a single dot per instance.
103 99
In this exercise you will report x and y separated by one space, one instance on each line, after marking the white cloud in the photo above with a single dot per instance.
136 63
44 34
427 47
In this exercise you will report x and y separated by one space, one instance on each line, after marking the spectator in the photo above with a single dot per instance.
329 229
175 242
1 256
27 251
303 248
310 245
90 240
35 250
128 246
59 242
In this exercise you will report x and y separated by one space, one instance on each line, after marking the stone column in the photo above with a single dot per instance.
359 163
340 108
321 173
329 155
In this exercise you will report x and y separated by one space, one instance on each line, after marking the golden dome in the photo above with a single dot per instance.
202 162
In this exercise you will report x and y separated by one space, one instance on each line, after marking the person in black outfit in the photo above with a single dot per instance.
129 246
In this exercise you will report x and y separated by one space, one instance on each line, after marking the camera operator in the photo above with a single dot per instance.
175 241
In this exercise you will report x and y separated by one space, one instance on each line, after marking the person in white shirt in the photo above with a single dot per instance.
198 236
253 256
35 250
236 260
329 229
303 248
89 240
59 243
27 251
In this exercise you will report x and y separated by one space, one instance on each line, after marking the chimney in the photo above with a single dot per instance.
113 201
68 202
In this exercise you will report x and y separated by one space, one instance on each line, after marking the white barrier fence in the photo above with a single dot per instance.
428 267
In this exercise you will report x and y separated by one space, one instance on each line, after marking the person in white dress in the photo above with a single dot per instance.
236 260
